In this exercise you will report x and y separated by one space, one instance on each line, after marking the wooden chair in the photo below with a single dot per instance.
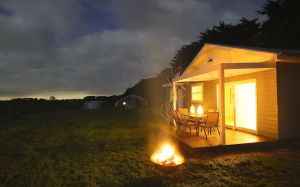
211 110
184 111
185 122
210 122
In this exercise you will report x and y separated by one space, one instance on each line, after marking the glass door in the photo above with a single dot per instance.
240 105
245 105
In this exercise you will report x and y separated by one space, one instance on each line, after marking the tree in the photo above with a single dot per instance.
52 98
282 26
89 98
185 55
246 33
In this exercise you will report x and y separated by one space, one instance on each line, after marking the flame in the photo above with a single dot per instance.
166 155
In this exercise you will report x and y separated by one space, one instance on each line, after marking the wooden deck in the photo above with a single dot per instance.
233 137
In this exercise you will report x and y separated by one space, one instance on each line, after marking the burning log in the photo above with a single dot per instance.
167 158
169 161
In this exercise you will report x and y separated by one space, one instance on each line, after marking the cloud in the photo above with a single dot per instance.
102 47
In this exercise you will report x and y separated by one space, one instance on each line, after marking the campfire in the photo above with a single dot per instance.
166 155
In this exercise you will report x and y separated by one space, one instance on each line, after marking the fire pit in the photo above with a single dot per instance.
167 159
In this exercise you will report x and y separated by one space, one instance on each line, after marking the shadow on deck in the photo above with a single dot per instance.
235 140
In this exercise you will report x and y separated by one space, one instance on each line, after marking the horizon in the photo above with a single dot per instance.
64 96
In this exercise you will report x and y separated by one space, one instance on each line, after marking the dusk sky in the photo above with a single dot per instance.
74 48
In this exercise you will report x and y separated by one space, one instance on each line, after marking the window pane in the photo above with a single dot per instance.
197 92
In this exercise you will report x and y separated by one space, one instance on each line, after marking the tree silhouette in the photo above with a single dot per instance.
282 27
244 33
52 98
185 55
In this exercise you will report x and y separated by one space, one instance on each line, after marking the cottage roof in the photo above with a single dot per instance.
249 59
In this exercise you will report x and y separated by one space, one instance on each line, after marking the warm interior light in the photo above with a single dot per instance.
167 155
124 103
199 110
197 92
192 109
240 104
245 103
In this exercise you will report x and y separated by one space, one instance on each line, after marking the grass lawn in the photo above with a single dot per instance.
111 148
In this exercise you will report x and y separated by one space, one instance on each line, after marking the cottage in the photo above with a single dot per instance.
95 105
131 102
254 90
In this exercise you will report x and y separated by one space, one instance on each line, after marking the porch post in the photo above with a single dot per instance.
174 95
222 104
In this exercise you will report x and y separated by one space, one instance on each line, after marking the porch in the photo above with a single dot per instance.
233 137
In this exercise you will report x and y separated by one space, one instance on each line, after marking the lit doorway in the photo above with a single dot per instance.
240 105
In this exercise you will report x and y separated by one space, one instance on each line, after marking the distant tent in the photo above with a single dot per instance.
131 102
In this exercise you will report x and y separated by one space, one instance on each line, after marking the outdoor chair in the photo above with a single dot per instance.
184 111
210 122
211 110
185 122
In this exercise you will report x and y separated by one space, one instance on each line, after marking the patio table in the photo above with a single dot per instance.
197 118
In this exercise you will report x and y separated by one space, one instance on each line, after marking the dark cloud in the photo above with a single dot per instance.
5 12
72 47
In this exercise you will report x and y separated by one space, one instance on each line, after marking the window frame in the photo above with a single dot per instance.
202 97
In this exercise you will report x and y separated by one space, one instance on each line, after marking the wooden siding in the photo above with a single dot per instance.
267 115
210 95
288 81
188 97
266 89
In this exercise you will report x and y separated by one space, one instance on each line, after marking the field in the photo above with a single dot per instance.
112 148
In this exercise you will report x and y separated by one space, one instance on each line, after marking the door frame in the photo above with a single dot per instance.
241 128
231 84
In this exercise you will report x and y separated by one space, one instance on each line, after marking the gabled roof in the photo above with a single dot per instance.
272 50
218 54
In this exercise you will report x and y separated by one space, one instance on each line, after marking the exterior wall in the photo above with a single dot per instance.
188 96
288 81
267 115
210 95
184 96
266 89
180 97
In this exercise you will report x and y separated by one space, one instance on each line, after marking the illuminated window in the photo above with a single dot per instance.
197 92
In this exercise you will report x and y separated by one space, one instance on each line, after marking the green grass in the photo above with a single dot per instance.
112 148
